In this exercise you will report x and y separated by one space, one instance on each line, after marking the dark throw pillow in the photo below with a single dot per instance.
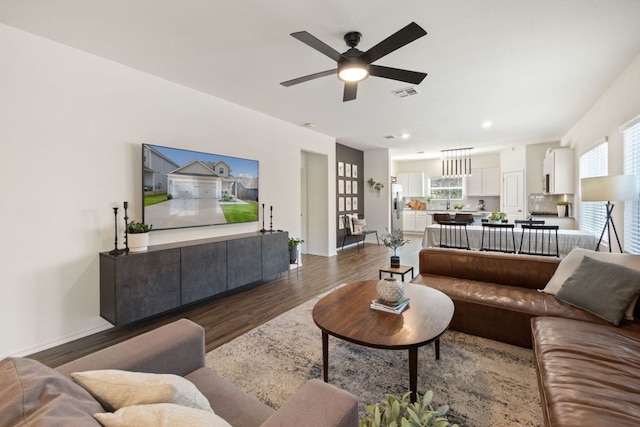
601 288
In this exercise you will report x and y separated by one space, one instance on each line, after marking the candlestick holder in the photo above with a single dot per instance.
115 250
271 219
126 229
263 230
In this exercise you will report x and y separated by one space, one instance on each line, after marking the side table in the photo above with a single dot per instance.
402 270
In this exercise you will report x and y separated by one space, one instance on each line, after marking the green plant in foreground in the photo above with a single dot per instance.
400 412
138 227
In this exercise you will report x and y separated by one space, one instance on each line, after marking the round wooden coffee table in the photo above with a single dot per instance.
345 314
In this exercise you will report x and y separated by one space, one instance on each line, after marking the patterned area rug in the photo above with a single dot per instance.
486 383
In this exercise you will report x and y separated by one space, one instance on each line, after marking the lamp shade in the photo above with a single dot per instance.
606 188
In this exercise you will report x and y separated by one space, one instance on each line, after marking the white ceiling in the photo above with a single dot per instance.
532 67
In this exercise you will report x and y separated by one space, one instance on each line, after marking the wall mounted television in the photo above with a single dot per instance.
183 188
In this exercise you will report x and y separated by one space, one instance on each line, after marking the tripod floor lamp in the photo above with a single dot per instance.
606 189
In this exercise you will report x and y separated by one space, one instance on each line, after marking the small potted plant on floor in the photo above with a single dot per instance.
138 236
394 240
293 249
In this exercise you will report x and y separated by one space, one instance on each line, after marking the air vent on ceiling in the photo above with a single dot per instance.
390 137
406 92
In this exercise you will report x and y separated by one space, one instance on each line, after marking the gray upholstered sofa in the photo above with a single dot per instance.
32 394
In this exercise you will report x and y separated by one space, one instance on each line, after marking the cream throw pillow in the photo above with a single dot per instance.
358 225
569 263
115 389
160 415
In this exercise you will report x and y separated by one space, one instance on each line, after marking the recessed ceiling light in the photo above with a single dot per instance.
405 136
487 124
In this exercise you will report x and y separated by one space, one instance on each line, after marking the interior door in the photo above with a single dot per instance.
513 195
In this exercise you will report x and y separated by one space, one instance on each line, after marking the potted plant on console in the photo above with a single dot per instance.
293 249
138 236
394 240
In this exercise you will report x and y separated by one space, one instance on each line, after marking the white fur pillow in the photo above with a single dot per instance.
160 414
115 389
573 259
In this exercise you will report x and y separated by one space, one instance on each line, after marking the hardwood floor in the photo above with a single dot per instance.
228 317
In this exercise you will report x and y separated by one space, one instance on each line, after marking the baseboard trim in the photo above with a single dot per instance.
60 341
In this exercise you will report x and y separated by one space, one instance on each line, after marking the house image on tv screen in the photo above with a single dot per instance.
186 188
201 180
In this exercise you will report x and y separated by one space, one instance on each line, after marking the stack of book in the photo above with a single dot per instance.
396 307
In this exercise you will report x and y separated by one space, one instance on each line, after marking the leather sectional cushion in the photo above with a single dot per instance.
588 373
505 311
32 394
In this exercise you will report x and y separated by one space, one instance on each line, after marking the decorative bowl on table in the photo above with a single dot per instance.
390 289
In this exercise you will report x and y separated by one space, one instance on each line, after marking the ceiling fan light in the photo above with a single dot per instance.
353 72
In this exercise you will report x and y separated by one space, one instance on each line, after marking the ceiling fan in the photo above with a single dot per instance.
355 65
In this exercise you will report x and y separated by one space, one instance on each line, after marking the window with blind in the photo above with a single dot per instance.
594 214
631 135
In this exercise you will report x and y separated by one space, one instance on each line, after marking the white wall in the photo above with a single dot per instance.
71 125
619 104
377 204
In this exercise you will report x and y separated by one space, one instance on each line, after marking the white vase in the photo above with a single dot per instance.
562 210
390 289
138 242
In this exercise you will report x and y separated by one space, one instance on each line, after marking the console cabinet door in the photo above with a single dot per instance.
141 285
275 254
203 271
244 261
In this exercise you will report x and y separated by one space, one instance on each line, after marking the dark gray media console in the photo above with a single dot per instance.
135 286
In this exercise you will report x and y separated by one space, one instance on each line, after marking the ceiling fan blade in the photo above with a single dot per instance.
395 41
413 77
309 77
317 44
350 91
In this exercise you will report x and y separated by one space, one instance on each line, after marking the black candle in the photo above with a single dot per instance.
126 205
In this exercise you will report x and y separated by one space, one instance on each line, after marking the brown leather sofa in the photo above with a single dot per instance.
588 370
496 294
588 374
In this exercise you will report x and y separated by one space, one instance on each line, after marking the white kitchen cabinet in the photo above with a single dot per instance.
558 170
413 221
412 184
408 220
421 220
484 182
